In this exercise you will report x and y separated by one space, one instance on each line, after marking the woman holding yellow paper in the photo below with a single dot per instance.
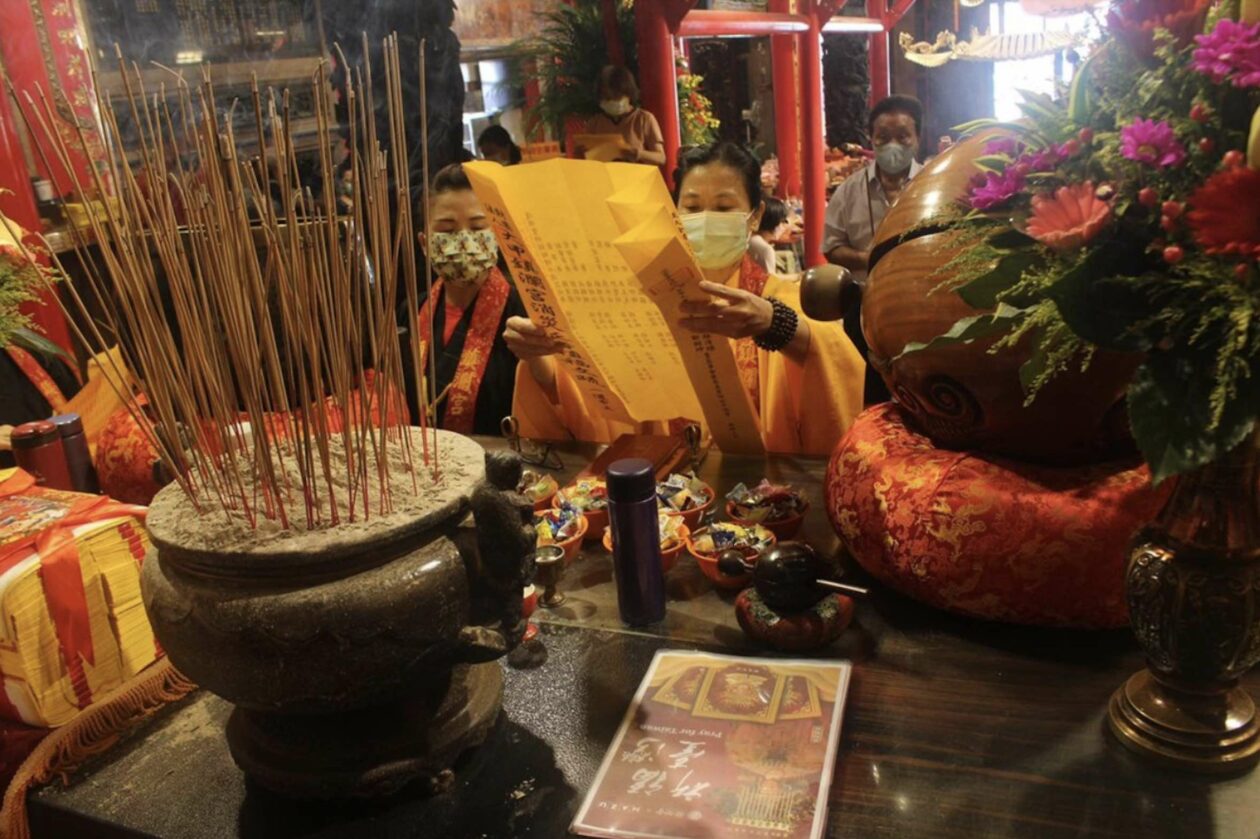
640 138
780 352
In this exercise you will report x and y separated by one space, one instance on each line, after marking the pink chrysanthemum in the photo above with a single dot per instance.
1004 145
1152 143
1041 161
1070 218
993 188
1231 51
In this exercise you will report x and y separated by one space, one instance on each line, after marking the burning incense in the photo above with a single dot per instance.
260 326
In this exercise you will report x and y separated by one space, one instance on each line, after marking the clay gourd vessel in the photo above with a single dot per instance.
961 395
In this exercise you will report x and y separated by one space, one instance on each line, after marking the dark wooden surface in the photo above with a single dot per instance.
953 728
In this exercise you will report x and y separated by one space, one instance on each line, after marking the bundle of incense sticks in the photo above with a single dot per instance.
284 313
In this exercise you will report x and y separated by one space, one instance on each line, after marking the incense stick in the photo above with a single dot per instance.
240 297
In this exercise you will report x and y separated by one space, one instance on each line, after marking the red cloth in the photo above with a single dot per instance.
125 454
125 459
985 536
452 318
17 741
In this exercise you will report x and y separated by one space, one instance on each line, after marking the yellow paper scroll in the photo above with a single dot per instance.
604 148
667 271
567 228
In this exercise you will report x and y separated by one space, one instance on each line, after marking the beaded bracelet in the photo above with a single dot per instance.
782 327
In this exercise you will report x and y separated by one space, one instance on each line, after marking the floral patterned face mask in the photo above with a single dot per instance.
463 256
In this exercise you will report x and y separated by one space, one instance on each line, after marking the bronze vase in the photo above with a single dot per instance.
1193 588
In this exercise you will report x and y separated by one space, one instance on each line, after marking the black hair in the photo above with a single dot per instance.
898 104
618 80
450 178
498 137
728 153
775 214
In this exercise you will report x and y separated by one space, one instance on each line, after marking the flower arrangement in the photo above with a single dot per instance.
695 110
1126 217
566 55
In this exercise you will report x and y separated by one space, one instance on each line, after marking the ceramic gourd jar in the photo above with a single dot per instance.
962 395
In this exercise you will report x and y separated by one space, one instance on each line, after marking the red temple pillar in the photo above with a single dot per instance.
785 61
881 72
612 34
657 82
813 130
41 51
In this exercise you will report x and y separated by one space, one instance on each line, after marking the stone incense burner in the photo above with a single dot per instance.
360 658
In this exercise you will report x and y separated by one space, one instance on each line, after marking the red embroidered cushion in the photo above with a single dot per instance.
986 536
124 460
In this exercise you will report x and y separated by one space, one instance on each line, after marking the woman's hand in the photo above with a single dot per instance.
527 340
531 344
731 312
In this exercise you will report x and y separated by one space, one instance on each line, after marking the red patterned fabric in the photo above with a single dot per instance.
985 536
125 457
125 454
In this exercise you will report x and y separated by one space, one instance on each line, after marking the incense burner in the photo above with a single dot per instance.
361 657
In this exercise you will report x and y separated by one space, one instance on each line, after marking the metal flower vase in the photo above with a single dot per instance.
1193 587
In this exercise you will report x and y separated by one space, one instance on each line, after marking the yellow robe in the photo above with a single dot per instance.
804 408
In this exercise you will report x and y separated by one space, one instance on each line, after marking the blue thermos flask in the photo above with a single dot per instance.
632 520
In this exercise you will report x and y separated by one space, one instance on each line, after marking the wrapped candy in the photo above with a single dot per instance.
536 486
680 493
557 525
670 530
585 494
727 535
765 502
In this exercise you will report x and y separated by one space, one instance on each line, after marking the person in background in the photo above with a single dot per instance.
495 143
860 203
618 100
803 377
468 308
759 249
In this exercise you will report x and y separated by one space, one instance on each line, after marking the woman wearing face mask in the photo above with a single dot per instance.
620 114
469 306
804 377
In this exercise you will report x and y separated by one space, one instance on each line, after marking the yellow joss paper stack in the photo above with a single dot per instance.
72 624
118 548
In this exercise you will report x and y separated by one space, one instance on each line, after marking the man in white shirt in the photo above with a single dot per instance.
860 203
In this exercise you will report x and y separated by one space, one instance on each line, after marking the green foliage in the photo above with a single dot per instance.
19 283
567 55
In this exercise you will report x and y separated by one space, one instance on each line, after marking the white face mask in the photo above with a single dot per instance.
616 107
719 240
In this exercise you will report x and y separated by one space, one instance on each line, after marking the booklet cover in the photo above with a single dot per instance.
716 745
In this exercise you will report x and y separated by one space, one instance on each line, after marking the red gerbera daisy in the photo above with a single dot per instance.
1225 212
1070 218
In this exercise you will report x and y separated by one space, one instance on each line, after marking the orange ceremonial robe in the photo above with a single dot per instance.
804 408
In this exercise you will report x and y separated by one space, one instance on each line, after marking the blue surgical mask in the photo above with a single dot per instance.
894 158
719 240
